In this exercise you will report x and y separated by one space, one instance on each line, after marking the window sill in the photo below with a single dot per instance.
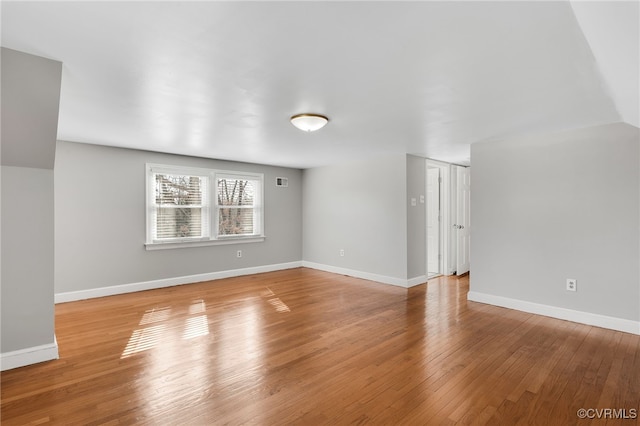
203 243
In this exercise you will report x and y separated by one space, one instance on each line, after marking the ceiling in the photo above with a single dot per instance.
221 79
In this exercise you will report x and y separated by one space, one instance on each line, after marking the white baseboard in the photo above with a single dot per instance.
71 296
28 356
400 282
412 282
612 323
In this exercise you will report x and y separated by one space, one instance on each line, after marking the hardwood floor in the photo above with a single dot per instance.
308 347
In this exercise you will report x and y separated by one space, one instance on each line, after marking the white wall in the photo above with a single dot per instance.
30 99
359 207
100 222
550 207
416 219
27 258
612 29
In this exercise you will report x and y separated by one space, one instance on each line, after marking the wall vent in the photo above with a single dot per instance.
282 181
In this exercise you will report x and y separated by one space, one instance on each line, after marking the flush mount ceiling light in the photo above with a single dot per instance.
309 122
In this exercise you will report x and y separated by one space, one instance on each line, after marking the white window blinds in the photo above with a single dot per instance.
180 203
195 205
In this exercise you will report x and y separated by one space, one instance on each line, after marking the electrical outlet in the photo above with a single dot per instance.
572 284
239 253
341 252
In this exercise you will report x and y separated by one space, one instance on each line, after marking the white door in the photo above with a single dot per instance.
433 222
463 221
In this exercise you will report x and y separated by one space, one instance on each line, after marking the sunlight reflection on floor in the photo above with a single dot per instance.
279 305
195 327
143 339
146 338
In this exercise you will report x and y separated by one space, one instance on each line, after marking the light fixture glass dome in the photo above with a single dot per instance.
309 122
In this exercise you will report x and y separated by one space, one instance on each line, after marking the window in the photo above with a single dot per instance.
189 206
238 205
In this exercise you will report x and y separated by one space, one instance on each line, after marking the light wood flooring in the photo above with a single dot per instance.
307 347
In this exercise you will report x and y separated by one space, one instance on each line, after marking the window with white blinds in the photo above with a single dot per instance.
189 205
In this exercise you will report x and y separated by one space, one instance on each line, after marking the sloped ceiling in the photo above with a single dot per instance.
221 79
613 32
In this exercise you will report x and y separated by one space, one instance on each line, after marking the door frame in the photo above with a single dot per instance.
445 209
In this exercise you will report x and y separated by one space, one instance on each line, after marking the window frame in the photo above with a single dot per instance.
209 211
258 206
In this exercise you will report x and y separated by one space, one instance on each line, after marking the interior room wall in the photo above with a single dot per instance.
550 207
416 220
27 258
101 231
358 207
30 95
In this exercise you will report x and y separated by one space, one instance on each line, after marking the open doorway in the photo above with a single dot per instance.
448 191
